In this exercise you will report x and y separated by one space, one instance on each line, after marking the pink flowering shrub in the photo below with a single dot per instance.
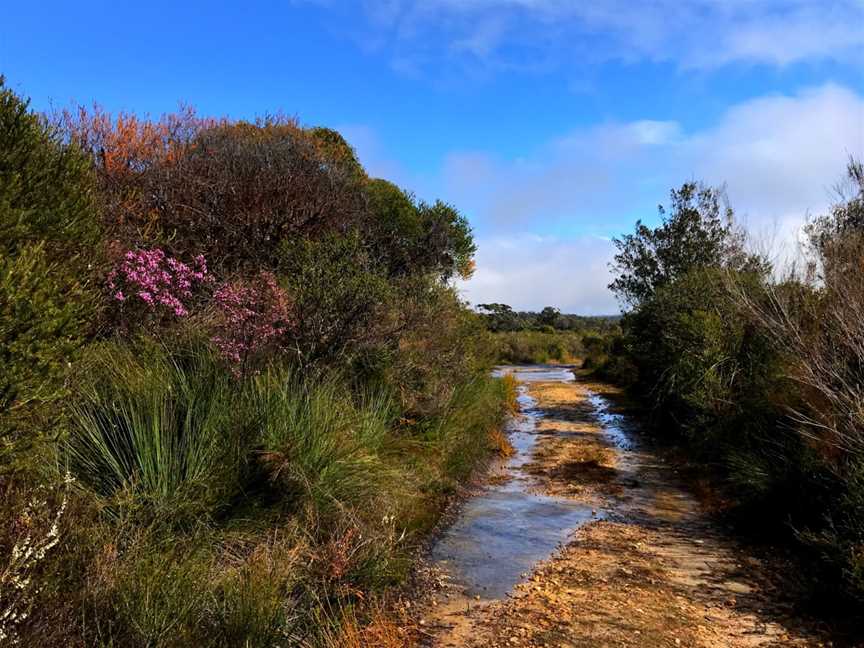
252 315
159 283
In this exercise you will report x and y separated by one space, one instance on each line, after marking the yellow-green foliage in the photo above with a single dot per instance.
538 346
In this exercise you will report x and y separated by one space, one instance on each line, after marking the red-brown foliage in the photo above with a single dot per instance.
229 190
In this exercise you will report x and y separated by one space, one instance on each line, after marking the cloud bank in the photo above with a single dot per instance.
543 222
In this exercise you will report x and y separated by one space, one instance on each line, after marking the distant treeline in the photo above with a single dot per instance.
501 318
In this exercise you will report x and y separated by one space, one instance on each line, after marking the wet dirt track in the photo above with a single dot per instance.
625 556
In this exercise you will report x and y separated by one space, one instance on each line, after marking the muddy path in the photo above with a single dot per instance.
587 538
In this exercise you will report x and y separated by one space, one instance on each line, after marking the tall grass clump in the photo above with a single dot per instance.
160 427
320 444
467 429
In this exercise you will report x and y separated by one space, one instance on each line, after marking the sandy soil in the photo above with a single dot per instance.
651 571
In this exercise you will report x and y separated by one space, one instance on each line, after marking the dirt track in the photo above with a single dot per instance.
651 571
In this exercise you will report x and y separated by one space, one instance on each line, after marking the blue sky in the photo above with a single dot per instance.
553 124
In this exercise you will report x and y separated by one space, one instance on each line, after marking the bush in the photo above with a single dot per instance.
230 191
439 345
254 444
759 379
538 347
410 238
341 297
48 245
816 320
251 321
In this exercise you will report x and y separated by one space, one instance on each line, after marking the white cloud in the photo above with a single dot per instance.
574 180
544 220
691 33
779 157
531 272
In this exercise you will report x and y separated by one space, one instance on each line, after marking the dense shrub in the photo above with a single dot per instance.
252 318
253 380
817 320
341 296
48 245
439 346
410 238
230 191
537 346
147 282
760 379
605 355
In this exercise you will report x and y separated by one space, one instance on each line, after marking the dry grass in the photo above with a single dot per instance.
511 390
501 443
383 629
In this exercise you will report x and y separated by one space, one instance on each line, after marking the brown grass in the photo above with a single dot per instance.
500 443
383 629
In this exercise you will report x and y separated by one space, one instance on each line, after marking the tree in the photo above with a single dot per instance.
499 317
410 237
697 233
549 316
836 238
232 191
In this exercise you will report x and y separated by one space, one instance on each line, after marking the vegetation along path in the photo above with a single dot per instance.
585 538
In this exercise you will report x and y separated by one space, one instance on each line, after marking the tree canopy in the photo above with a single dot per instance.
696 232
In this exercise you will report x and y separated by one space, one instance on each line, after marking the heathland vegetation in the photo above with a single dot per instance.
237 386
547 336
756 372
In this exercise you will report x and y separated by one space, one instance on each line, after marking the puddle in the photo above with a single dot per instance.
612 424
505 530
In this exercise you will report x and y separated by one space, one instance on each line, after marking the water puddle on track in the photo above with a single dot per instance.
503 531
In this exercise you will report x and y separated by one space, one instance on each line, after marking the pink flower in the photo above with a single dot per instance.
157 280
253 315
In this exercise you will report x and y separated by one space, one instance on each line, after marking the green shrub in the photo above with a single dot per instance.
538 347
158 597
411 238
251 603
340 294
440 344
48 243
760 380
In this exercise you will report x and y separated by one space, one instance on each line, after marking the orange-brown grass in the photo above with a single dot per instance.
511 391
500 443
381 630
